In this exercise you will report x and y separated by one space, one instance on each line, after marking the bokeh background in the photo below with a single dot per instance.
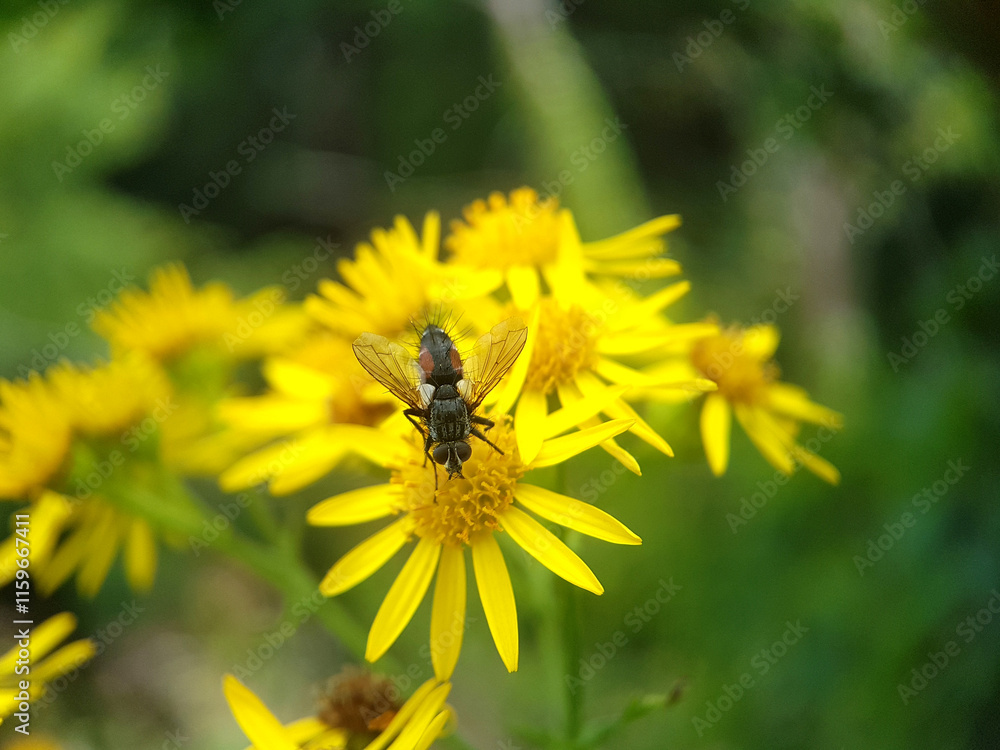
699 89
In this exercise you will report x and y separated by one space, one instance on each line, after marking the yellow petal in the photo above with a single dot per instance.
314 447
140 556
559 449
769 438
404 596
356 506
44 638
549 550
761 341
529 423
99 558
358 564
592 387
64 660
522 281
295 476
508 393
260 726
576 411
716 421
273 414
625 245
818 466
621 455
574 514
433 731
792 401
652 305
431 235
402 717
497 596
651 268
297 380
425 714
448 613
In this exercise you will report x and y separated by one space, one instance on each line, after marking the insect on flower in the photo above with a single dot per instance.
441 390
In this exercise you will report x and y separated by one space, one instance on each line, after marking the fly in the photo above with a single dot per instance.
441 391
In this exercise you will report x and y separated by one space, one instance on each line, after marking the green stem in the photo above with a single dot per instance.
566 633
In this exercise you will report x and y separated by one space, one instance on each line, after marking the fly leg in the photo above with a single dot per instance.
485 439
428 442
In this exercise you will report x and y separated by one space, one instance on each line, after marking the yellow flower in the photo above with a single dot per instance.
393 280
35 437
740 362
525 236
81 514
43 639
465 512
360 712
173 318
580 339
322 401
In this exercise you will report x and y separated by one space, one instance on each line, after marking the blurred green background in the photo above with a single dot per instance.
701 90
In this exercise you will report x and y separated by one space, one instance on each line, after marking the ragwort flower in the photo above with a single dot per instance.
525 237
359 712
740 362
393 280
320 404
581 340
85 506
490 498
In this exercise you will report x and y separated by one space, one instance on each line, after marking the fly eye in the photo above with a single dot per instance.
463 451
441 454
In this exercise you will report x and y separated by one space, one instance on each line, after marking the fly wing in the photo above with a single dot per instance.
494 354
391 365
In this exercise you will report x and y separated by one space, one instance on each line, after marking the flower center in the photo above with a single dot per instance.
499 233
469 506
359 702
740 375
564 344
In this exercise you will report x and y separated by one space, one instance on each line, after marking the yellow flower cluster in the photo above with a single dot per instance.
595 345
97 453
